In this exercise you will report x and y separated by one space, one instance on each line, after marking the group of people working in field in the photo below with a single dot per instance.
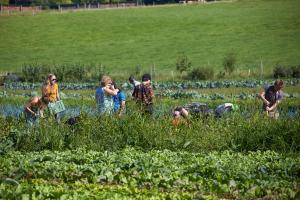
110 99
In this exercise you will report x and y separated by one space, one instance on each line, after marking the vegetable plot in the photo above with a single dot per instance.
130 173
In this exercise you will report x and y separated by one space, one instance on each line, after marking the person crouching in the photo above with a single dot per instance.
34 109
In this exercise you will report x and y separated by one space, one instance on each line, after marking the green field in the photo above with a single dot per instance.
242 155
121 39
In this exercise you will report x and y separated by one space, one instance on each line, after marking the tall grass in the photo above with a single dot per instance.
236 132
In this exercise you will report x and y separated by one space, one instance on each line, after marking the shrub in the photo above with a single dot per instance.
67 73
138 70
296 71
229 62
33 72
183 63
204 73
221 74
281 71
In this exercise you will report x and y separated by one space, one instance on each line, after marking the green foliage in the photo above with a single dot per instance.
201 73
67 73
183 64
4 2
281 71
229 62
110 133
240 156
157 174
32 73
159 85
138 71
295 71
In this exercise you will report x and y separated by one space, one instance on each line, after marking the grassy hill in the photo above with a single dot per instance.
121 39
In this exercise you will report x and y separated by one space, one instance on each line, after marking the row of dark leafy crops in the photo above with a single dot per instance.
155 174
214 96
160 85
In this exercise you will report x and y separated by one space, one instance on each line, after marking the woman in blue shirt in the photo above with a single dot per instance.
119 100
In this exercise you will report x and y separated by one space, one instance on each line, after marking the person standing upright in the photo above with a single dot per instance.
104 96
144 94
50 89
50 92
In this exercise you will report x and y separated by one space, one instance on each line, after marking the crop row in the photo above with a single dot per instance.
237 175
160 85
197 95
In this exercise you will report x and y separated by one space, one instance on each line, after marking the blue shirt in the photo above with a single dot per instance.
118 100
104 102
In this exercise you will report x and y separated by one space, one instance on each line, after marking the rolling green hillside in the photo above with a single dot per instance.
121 39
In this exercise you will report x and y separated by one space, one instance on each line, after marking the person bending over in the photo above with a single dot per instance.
34 109
271 97
195 109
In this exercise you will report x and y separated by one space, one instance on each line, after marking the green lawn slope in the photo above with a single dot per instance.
121 39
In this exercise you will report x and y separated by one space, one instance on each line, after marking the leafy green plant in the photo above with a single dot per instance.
296 71
229 62
183 64
281 71
201 73
159 174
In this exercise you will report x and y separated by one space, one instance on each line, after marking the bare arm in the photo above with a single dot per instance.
111 91
29 105
272 108
44 91
57 94
262 96
122 108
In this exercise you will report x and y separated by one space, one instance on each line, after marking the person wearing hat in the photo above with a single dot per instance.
195 109
144 94
225 108
271 97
